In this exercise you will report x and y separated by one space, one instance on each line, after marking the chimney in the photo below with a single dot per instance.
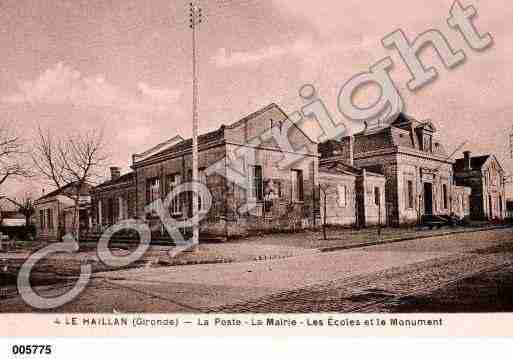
466 160
115 172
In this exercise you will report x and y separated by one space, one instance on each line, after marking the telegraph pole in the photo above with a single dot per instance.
195 20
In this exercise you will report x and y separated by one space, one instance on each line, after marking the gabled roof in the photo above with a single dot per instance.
475 162
263 110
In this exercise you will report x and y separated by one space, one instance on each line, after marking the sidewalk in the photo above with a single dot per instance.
352 238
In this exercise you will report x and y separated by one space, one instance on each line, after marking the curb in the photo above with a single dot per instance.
407 238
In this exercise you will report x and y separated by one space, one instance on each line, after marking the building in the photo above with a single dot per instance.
485 176
12 219
55 211
351 196
113 200
256 183
417 169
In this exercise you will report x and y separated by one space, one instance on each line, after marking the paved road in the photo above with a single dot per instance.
350 280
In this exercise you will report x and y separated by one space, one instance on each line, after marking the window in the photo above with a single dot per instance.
377 196
202 177
100 219
428 143
122 208
256 177
444 194
50 218
410 194
152 189
342 195
110 211
297 185
42 218
173 181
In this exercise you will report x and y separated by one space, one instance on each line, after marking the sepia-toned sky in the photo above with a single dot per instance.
125 66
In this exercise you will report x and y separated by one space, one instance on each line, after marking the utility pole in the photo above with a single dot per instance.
511 143
195 20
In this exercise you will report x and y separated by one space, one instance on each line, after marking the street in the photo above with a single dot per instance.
427 274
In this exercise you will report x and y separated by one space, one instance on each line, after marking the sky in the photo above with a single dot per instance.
125 66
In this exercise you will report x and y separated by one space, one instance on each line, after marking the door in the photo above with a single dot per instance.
428 198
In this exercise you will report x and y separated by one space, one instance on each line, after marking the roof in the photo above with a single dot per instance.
13 222
11 214
403 131
66 190
127 177
216 135
184 145
338 167
475 162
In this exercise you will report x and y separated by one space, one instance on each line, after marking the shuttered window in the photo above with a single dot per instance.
257 187
297 185
409 194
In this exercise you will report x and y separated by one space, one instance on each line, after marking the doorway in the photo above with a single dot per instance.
428 198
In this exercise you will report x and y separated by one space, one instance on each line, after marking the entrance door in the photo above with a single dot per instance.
428 198
490 208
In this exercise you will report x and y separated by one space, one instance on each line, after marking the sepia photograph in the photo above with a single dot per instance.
244 164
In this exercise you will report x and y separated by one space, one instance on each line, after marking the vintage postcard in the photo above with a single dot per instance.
255 167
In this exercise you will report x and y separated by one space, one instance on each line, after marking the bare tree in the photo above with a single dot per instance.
12 154
25 206
325 190
71 161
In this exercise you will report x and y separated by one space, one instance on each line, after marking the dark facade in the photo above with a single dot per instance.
113 200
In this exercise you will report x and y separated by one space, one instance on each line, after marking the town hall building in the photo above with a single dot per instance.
417 168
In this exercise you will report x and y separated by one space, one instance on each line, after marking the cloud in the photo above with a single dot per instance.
224 59
158 94
62 84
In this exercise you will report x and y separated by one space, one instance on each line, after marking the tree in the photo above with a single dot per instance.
325 190
12 154
25 207
70 161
